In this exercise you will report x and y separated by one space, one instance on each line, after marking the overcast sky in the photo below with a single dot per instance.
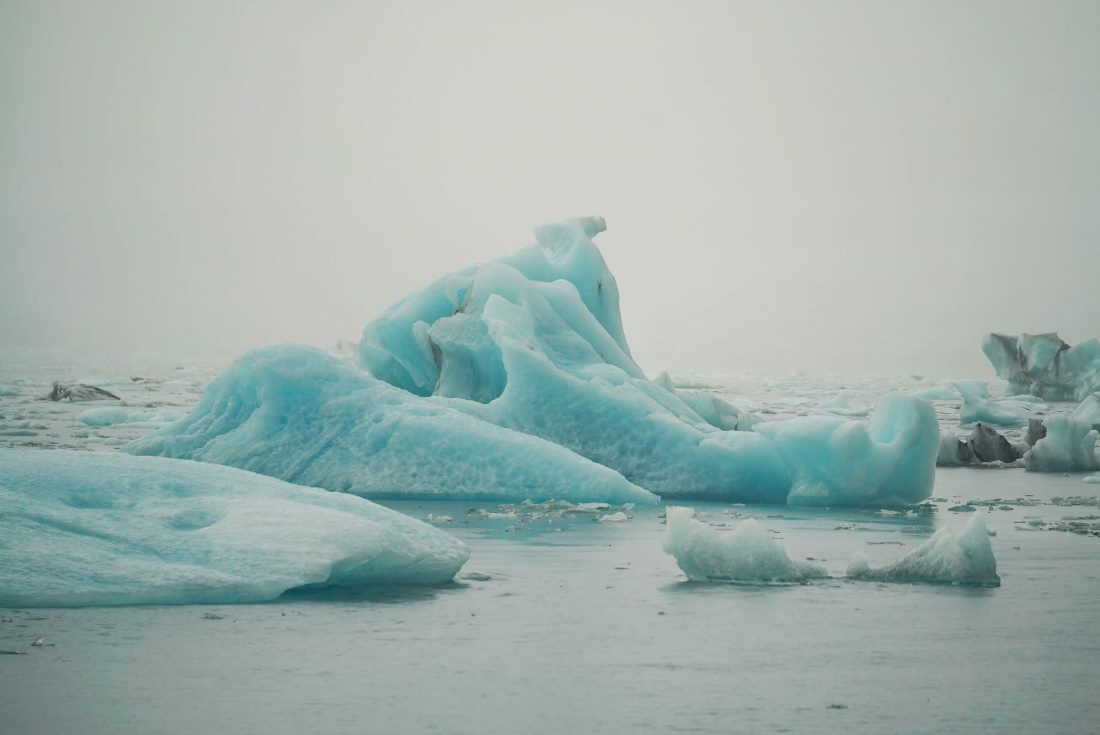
829 186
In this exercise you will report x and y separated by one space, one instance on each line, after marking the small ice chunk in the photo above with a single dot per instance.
1069 445
614 517
745 555
116 415
963 557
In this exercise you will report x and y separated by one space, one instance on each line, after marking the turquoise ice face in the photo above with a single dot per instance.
514 380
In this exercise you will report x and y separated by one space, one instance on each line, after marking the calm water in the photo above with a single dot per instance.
563 624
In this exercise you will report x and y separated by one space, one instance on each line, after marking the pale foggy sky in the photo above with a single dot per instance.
831 186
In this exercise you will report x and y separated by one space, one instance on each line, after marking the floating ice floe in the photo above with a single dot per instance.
1068 445
514 379
1044 365
85 528
938 393
1089 410
977 407
79 392
745 555
962 557
982 444
117 415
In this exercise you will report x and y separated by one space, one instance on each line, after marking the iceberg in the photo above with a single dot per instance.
534 342
977 407
79 392
1069 445
938 393
1045 365
301 415
982 444
712 409
964 558
117 415
86 528
1089 410
514 380
746 555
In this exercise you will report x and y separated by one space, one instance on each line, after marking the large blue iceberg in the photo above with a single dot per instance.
1044 365
301 415
84 528
513 380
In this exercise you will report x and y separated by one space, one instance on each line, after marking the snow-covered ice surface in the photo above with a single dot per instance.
84 528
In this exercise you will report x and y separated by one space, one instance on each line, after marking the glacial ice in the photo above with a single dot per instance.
301 415
712 409
534 343
746 555
977 406
115 415
1089 410
502 377
86 528
982 444
1068 446
1045 365
79 392
938 393
964 557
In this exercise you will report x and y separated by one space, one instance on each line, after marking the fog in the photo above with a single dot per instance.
833 187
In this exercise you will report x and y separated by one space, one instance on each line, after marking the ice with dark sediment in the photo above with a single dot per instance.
1044 365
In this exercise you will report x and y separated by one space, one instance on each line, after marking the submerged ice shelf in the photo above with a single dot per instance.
85 528
514 380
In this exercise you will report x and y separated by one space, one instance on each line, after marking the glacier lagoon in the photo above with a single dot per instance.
500 404
561 621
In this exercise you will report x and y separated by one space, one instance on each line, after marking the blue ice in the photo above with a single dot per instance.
514 380
86 528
